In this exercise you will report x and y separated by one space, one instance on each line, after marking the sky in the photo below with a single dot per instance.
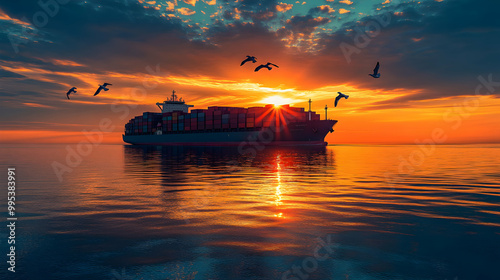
439 64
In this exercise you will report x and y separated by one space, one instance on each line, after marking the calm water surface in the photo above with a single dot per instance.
130 212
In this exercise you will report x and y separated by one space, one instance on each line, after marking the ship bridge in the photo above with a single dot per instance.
173 104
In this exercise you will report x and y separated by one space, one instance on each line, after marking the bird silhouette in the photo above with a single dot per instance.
70 91
103 87
341 95
376 74
266 66
249 58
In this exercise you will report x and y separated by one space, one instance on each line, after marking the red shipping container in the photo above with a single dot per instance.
209 115
201 125
225 125
258 123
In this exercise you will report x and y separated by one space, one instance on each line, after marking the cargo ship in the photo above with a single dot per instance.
227 126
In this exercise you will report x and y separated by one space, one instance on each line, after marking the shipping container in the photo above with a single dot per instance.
209 116
217 124
194 126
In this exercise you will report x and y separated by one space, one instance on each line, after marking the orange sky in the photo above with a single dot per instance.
463 123
147 51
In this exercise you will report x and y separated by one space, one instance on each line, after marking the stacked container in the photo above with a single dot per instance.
217 118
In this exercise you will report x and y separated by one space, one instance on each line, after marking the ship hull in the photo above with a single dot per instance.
309 133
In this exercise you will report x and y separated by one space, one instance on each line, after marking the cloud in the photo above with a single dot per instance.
190 2
257 11
283 7
186 11
325 9
418 49
9 74
347 2
170 6
343 11
298 30
37 105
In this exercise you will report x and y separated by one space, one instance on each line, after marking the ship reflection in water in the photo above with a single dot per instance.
257 216
199 184
282 213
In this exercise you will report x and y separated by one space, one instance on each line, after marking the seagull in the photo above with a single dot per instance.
71 90
265 66
376 74
103 87
340 96
249 58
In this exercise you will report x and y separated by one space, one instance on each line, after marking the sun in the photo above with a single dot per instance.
276 100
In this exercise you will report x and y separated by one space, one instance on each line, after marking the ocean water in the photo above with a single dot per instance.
338 212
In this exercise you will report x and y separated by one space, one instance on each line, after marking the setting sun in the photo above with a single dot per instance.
276 100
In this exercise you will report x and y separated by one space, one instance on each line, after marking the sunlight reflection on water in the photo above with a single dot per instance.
190 213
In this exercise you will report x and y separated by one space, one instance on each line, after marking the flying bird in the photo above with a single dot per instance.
249 58
70 91
103 87
376 74
339 97
266 66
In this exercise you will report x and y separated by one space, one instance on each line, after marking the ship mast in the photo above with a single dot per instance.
326 112
310 108
174 97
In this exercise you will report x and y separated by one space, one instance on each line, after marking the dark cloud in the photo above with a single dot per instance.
439 48
299 30
305 24
324 10
257 10
8 74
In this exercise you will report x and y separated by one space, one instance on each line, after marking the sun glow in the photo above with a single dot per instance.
276 100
